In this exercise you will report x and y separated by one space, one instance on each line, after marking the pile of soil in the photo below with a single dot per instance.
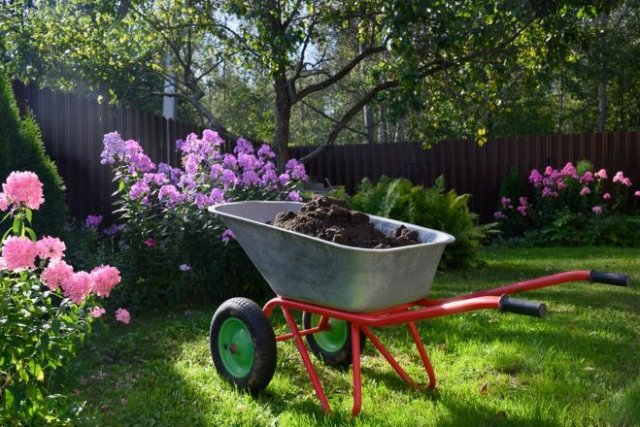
331 219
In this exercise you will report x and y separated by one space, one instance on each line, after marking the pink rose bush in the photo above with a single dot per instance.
47 307
571 204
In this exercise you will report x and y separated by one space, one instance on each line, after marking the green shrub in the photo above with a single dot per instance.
21 148
432 207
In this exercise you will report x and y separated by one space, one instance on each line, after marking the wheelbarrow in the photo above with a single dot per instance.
343 293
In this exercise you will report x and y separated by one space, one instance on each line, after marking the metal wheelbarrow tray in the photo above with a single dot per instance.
343 293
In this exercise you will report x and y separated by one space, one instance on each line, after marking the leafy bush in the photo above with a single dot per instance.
21 148
47 308
574 205
429 207
172 248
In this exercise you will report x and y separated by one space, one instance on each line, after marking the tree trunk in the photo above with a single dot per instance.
283 118
368 124
602 105
602 83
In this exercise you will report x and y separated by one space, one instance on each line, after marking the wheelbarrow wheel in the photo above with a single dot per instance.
243 345
333 346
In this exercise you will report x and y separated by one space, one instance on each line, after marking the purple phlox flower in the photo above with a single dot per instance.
132 147
548 170
171 193
212 137
266 152
284 178
248 161
522 210
602 174
523 201
191 144
269 176
499 215
172 173
227 235
243 146
184 267
230 160
113 148
606 196
202 201
113 230
296 170
229 178
216 171
142 162
192 163
585 191
548 192
250 178
156 178
216 196
179 145
187 181
597 210
138 190
535 178
93 221
294 196
587 177
569 171
505 201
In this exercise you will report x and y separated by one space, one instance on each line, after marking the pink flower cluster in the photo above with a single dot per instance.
505 202
21 189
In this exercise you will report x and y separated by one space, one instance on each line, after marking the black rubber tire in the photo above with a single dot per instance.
263 343
341 357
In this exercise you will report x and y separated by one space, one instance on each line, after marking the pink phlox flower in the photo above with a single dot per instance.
499 215
523 201
149 242
243 146
535 178
57 274
138 190
4 202
96 312
548 192
569 171
93 221
561 185
212 137
585 191
597 210
123 316
19 252
627 182
79 287
637 193
266 152
294 196
522 210
601 174
3 263
103 279
50 248
548 170
618 177
505 201
606 196
587 177
24 188
227 235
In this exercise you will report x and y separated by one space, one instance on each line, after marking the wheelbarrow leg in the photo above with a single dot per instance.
313 376
355 360
382 349
423 354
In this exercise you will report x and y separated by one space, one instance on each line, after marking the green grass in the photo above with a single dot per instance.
579 366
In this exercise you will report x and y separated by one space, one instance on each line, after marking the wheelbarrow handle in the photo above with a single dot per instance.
530 308
609 278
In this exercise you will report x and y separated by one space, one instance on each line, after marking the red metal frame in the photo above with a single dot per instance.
406 313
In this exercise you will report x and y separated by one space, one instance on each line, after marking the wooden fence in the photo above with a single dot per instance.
472 169
73 127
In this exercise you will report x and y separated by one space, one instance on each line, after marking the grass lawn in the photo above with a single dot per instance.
578 366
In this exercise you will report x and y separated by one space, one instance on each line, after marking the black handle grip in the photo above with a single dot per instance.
530 308
609 278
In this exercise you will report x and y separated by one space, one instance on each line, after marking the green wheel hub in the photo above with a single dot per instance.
333 339
236 347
